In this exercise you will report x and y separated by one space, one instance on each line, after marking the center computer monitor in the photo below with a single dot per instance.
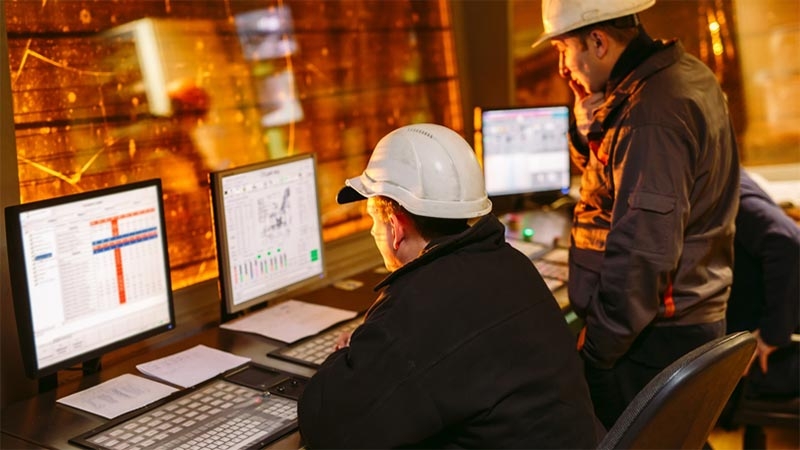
525 153
268 230
89 274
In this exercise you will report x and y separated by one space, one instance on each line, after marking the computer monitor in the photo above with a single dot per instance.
268 230
525 153
89 274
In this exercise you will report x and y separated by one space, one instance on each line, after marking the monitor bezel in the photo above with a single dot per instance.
522 199
19 280
230 310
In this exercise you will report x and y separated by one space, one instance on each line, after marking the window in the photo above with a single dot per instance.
110 93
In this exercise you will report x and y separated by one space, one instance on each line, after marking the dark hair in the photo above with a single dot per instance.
622 29
428 227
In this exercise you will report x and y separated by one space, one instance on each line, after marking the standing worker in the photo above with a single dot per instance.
651 250
465 347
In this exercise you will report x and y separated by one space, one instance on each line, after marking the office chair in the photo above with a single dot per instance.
680 406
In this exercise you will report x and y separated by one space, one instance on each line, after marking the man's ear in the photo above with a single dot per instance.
399 231
598 42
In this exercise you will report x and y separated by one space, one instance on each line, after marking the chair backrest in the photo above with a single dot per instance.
680 406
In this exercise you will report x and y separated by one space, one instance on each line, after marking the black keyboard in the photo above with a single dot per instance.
220 414
312 351
530 249
553 267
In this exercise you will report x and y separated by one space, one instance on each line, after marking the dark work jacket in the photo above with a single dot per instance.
465 347
652 238
766 286
766 280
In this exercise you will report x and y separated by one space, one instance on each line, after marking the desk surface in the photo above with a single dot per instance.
41 422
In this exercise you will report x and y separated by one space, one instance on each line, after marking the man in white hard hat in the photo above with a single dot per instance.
465 345
652 238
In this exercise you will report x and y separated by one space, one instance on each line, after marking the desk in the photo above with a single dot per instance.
41 422
551 227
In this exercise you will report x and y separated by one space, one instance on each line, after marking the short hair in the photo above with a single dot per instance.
621 29
428 227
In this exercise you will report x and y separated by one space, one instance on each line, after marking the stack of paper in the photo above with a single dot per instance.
193 366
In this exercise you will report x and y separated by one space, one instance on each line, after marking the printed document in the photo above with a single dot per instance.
118 395
290 321
193 366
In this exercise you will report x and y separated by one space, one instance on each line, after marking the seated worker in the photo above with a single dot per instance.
465 346
765 296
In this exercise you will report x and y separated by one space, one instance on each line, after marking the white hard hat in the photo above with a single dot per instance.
562 16
430 170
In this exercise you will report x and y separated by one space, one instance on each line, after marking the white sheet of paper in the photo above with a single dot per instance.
785 191
193 366
781 190
118 395
290 321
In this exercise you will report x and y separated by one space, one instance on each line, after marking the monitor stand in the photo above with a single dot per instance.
224 315
50 382
523 203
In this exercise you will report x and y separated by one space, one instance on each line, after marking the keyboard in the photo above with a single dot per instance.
557 255
312 351
221 415
554 275
530 249
553 267
550 262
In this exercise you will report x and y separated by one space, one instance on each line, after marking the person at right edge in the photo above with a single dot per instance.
765 296
651 249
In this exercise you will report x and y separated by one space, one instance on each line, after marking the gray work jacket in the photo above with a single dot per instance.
652 238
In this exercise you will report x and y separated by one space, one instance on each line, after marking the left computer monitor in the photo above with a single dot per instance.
89 274
268 231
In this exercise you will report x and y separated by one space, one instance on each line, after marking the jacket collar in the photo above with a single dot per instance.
641 59
486 231
638 50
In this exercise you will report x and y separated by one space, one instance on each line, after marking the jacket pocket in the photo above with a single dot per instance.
652 202
584 278
651 223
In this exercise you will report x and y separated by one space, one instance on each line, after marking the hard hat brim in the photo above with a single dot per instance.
544 37
348 195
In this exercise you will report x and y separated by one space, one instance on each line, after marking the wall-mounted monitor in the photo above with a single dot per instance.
268 230
89 274
525 153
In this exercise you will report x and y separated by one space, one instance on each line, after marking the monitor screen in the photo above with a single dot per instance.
268 230
89 274
525 151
